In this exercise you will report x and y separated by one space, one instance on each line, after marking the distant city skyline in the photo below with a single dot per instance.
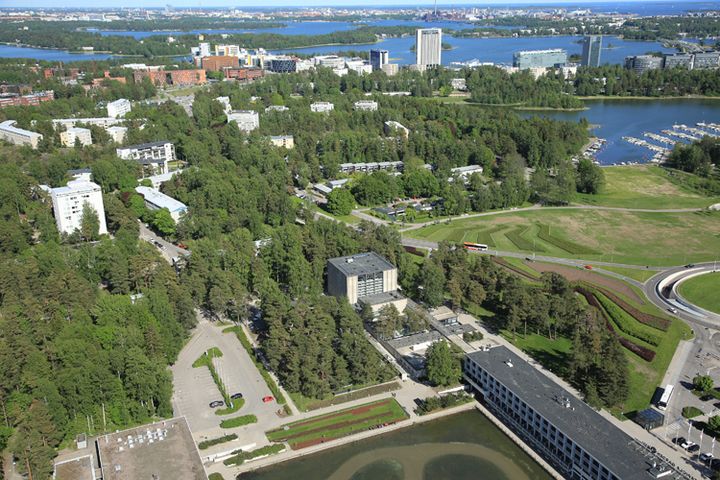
297 3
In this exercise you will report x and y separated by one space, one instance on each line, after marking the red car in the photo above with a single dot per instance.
268 399
588 267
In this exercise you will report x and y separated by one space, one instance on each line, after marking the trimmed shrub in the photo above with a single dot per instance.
628 324
238 421
691 412
216 441
241 456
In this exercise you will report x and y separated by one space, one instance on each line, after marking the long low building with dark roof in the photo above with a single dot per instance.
575 439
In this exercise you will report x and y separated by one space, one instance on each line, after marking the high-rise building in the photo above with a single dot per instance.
592 47
360 275
428 47
68 203
378 58
540 58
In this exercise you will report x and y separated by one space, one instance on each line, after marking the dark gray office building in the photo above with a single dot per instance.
378 58
576 440
642 63
592 49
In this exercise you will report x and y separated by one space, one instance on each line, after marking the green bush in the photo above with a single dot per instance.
432 404
626 323
515 236
691 412
215 476
216 441
241 456
238 421
472 336
570 247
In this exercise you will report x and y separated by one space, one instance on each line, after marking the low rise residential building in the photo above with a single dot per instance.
247 120
322 107
464 173
276 108
366 105
572 437
371 167
285 141
18 136
156 200
119 108
102 122
69 202
30 99
69 137
154 157
117 134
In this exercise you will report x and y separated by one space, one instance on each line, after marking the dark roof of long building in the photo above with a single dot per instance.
144 146
361 263
612 447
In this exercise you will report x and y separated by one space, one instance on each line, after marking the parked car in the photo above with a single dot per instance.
235 396
693 448
588 267
672 310
267 399
706 398
158 244
706 457
216 403
679 440
715 463
686 444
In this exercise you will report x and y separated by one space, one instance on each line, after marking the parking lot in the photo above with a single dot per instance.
194 388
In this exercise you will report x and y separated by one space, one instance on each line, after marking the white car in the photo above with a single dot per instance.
706 457
687 444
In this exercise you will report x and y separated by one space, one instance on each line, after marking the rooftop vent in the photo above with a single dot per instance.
509 363
350 260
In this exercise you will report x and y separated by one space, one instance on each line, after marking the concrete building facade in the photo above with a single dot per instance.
551 58
378 58
285 141
154 157
428 47
361 275
366 105
18 136
68 203
156 200
119 108
73 134
321 107
117 133
247 120
592 49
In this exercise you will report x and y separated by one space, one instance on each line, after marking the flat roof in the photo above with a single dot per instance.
383 297
75 186
143 146
599 437
165 450
9 126
415 339
80 468
361 263
549 50
160 200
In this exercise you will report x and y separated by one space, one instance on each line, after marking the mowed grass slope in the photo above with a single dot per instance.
323 428
643 186
703 291
639 238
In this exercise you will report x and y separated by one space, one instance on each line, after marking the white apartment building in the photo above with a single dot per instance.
102 122
286 141
73 134
322 107
428 47
117 134
276 108
359 66
154 157
156 200
229 51
18 136
119 108
330 61
247 120
68 203
366 105
390 69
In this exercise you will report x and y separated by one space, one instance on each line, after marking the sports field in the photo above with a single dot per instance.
643 186
703 291
636 238
323 428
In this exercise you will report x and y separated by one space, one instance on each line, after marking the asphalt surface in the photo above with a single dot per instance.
167 249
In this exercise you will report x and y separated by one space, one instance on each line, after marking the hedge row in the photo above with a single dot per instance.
241 456
642 352
628 324
515 236
570 247
216 441
501 261
238 421
642 317
485 236
215 476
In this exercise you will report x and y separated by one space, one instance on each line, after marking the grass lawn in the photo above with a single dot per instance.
634 273
553 354
703 291
643 186
323 428
305 404
636 238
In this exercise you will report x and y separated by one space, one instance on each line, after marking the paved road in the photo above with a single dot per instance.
168 250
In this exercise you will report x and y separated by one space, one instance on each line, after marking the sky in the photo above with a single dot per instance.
270 3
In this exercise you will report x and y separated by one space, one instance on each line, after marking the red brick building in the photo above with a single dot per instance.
172 77
97 82
218 63
32 99
246 74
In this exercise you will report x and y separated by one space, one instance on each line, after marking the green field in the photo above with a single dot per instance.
643 186
640 275
703 291
635 238
323 428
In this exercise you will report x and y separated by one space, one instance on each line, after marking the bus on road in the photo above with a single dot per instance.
665 399
476 247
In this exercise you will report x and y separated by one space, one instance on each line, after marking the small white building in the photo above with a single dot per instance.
458 84
390 69
102 122
464 173
322 107
286 141
119 108
359 66
68 203
276 108
366 105
73 134
117 134
156 200
18 136
247 120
